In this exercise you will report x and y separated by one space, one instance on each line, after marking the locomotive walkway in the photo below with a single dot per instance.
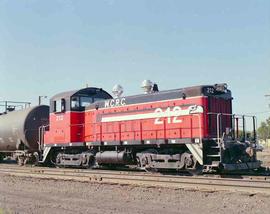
248 184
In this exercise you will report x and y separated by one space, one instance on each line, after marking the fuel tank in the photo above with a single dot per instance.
19 130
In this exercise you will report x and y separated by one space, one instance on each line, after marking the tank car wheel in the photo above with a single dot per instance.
20 161
35 159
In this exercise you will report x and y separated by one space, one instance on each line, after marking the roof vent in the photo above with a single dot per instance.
117 90
147 86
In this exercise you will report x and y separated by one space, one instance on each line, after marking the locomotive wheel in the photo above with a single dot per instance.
191 164
152 170
90 161
58 159
197 171
144 161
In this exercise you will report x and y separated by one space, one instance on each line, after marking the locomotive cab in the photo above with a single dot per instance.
67 116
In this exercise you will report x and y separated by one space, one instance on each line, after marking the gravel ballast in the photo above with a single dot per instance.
20 195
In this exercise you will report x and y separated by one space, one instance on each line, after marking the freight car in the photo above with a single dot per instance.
187 129
19 131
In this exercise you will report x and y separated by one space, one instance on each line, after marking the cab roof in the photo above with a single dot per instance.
78 92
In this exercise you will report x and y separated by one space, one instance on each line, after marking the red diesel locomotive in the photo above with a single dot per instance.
183 129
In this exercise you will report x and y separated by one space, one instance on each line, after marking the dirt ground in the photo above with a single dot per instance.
18 195
264 156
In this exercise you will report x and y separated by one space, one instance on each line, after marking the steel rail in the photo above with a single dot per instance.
143 179
135 173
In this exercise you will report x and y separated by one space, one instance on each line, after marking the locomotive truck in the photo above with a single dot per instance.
190 129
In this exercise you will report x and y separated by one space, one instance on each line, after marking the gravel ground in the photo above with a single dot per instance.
18 195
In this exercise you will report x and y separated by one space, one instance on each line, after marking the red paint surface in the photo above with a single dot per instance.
86 126
65 128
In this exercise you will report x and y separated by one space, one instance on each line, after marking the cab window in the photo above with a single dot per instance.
75 102
85 101
59 105
78 102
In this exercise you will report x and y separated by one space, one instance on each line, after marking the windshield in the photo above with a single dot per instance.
85 101
80 102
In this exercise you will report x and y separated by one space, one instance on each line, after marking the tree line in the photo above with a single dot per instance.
264 130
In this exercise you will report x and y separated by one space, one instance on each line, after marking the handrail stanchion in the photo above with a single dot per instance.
218 128
244 128
254 128
141 137
120 132
237 127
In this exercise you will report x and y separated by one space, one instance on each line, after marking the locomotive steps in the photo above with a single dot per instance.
252 185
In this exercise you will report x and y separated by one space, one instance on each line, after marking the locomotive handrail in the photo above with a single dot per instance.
227 114
219 115
235 117
41 133
39 138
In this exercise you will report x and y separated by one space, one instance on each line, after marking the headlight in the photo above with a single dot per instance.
221 87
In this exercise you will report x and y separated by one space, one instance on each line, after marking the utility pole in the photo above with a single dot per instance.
40 99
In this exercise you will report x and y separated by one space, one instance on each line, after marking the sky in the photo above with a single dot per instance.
51 46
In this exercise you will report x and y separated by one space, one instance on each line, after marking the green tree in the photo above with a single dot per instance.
264 130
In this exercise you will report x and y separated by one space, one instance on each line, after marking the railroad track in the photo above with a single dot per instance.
252 185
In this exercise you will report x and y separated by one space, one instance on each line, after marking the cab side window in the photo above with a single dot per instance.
59 105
